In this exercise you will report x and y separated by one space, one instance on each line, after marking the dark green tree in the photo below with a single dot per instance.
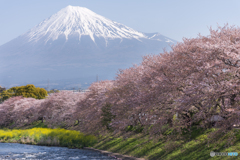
107 115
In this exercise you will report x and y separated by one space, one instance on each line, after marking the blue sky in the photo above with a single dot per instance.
173 18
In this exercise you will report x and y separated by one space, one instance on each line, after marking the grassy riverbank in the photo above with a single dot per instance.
48 137
199 147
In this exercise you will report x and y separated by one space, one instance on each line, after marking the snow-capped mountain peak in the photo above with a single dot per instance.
73 46
74 20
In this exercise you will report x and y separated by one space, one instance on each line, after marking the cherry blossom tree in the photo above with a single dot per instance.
58 109
88 112
19 111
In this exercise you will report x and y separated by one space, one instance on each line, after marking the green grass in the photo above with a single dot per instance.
47 136
197 147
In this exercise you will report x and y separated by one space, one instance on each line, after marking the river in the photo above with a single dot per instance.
15 151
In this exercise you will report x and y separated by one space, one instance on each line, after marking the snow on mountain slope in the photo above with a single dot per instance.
81 21
159 37
77 44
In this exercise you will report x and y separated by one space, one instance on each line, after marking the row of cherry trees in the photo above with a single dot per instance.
198 79
55 110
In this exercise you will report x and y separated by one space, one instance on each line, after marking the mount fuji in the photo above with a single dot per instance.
73 46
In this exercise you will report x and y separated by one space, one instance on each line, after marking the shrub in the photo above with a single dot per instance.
25 91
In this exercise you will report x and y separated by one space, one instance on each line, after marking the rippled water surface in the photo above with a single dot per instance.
23 151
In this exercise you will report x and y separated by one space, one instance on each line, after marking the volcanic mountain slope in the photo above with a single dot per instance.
75 43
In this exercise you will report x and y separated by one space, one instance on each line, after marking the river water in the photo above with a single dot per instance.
15 151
